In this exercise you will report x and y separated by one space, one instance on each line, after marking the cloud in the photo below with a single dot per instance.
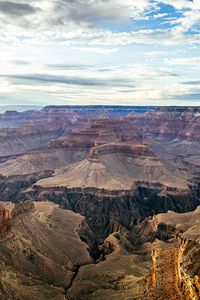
178 4
154 54
93 23
96 12
45 79
189 96
20 62
192 82
98 50
67 67
184 61
16 9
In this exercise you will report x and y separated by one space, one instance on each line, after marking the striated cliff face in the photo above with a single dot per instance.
164 282
170 278
70 144
175 256
20 142
127 149
32 130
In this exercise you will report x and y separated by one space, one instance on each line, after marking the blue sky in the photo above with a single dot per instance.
131 52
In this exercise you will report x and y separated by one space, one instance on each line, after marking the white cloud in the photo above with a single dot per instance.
119 39
97 50
156 54
86 22
184 61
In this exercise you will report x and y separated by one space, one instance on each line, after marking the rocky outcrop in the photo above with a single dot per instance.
126 149
169 279
8 211
164 282
175 255
117 274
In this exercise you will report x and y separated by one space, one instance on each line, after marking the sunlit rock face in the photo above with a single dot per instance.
175 270
8 211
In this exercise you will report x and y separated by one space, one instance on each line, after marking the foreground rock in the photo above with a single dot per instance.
175 255
40 251
42 256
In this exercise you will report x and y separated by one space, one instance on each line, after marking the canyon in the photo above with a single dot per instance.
100 203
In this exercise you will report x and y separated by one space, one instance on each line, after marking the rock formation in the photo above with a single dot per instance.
175 271
9 211
121 169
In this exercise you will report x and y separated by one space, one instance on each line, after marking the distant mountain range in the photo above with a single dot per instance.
18 108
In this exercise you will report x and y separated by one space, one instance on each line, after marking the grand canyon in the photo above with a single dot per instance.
100 202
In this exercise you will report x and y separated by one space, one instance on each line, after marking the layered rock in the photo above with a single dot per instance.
126 149
119 167
169 123
64 137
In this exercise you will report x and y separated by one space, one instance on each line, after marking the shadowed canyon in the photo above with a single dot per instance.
100 202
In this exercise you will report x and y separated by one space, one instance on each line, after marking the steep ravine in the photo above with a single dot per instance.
105 212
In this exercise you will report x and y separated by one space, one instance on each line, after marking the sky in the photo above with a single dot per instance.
110 52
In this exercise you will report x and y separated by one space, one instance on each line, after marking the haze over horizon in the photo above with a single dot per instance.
118 52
